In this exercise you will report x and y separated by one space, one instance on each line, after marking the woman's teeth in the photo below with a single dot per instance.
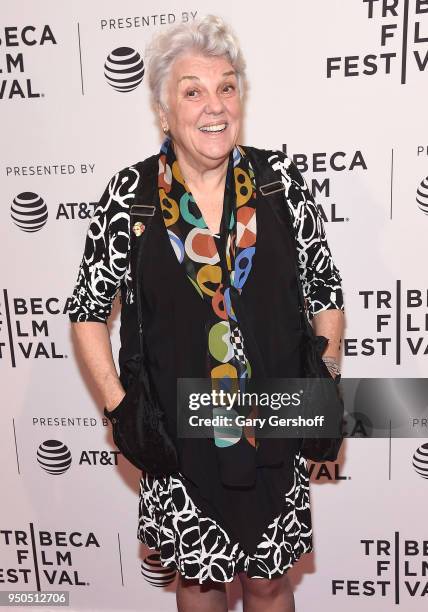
213 128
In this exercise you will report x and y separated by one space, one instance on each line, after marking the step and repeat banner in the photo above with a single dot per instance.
340 85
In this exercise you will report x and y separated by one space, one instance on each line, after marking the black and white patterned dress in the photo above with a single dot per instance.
201 549
169 519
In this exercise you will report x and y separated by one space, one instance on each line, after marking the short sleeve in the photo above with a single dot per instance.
105 260
320 277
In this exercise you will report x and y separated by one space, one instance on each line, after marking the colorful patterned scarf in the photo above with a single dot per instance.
217 267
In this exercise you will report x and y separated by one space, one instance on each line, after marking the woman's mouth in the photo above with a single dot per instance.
213 128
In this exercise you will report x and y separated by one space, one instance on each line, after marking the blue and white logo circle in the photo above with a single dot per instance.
29 211
422 195
124 69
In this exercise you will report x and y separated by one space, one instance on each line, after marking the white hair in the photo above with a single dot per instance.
209 36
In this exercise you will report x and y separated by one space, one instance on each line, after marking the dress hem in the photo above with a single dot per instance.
236 570
199 549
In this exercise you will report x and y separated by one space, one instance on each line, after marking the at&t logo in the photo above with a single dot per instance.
422 195
124 69
420 460
155 573
29 211
54 457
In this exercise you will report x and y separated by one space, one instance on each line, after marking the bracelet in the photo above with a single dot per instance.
332 365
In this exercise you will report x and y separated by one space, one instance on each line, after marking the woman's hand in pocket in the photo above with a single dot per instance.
115 399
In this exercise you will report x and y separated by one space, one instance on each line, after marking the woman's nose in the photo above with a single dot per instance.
214 103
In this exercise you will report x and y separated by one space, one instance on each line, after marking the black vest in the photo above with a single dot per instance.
174 318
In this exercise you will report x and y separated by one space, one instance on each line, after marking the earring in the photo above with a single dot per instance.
165 129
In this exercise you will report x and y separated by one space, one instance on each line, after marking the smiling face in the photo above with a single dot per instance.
204 109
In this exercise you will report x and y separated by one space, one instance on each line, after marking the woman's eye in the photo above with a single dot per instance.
228 88
191 93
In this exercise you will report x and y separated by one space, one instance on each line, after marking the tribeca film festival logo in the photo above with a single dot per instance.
24 327
400 41
318 164
400 323
13 39
43 558
399 570
322 472
54 457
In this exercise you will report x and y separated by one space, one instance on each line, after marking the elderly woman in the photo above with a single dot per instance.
219 299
